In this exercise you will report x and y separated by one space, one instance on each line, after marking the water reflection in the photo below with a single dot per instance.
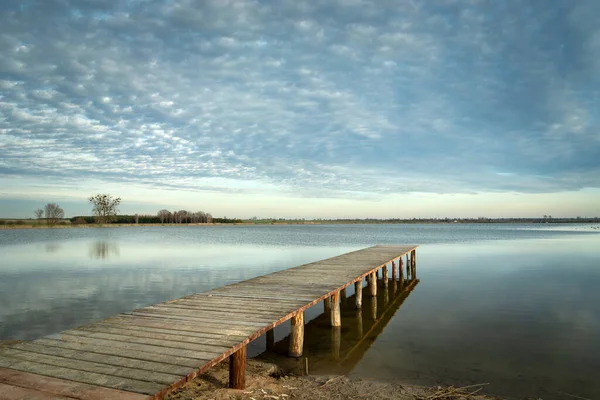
336 350
103 249
52 247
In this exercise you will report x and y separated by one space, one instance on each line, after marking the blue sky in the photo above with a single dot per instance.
332 108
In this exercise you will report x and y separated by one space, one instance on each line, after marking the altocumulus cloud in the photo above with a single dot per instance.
316 98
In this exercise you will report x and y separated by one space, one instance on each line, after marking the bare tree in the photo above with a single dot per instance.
39 213
136 217
105 207
53 213
163 215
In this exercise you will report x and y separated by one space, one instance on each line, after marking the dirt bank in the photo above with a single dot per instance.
264 381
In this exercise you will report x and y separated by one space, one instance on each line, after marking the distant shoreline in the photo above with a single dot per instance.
329 222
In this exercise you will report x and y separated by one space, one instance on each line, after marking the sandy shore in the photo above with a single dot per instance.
266 381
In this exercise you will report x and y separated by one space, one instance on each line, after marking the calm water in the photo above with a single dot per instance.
517 306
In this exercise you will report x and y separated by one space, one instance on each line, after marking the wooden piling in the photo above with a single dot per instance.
358 294
237 369
384 273
373 284
336 319
343 296
327 305
297 335
270 339
393 271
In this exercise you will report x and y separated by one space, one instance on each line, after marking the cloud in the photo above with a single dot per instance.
314 98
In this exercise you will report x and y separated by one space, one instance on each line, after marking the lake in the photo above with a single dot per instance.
516 306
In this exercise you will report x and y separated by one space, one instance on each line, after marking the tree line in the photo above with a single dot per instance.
105 210
184 216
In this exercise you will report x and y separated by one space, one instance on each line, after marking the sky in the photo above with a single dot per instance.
302 108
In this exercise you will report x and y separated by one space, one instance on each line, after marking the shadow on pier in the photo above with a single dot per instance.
336 350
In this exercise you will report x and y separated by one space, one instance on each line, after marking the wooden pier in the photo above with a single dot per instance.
146 353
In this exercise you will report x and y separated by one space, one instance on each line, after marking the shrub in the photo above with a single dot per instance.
78 221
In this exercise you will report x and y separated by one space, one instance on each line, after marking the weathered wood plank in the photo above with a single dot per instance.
263 297
9 392
112 370
210 321
91 378
150 321
115 351
246 309
220 348
146 348
63 387
218 315
226 341
104 359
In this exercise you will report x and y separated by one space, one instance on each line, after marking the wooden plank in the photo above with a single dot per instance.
248 309
9 392
155 342
111 350
149 321
91 378
134 326
291 285
269 291
142 330
212 321
104 359
145 348
112 370
209 299
223 341
263 297
64 388
225 314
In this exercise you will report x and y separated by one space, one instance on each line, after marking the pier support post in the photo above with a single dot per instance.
401 274
394 271
358 292
336 318
327 305
413 257
343 296
373 283
270 339
297 335
384 273
237 369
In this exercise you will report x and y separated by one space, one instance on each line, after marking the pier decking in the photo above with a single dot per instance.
146 353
